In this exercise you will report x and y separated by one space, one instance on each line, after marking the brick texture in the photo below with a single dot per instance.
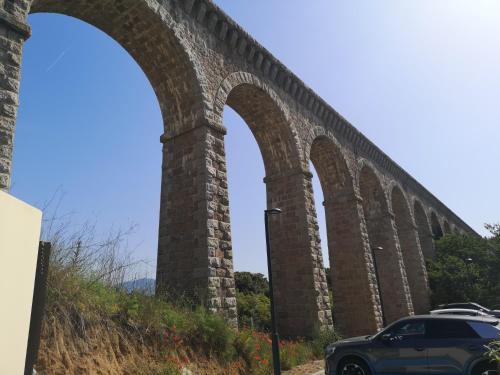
198 60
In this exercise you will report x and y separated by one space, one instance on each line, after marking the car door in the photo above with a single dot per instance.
451 345
402 350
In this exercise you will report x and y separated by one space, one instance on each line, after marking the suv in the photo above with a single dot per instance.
471 306
421 344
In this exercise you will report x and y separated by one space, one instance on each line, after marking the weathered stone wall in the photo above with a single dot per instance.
198 60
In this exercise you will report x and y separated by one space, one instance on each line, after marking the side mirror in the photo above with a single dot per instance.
386 338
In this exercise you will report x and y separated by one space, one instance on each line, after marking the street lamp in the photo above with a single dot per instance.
468 263
378 248
275 336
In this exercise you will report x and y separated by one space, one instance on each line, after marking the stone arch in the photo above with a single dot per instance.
266 116
446 227
437 230
298 275
394 290
148 34
157 43
411 251
424 230
354 313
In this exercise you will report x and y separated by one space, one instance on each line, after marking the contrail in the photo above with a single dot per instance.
57 60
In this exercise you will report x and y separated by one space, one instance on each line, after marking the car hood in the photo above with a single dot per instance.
353 340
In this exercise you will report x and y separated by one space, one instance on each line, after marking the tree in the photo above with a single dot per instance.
252 295
251 283
466 269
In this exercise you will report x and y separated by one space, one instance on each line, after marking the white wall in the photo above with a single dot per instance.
19 235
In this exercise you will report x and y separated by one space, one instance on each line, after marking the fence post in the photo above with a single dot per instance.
38 306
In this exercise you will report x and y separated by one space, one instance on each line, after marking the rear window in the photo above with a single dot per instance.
486 330
450 329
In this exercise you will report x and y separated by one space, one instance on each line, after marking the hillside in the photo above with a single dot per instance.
95 323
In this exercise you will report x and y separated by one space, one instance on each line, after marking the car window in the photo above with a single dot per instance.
450 329
409 328
486 330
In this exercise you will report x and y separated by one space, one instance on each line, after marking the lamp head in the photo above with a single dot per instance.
273 211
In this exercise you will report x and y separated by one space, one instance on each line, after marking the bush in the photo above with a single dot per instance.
493 352
212 334
321 339
254 311
256 350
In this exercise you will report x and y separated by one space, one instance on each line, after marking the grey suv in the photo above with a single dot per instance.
472 306
422 344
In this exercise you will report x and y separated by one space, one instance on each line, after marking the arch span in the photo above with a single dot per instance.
424 231
446 227
412 254
354 313
390 270
298 273
437 230
152 39
265 114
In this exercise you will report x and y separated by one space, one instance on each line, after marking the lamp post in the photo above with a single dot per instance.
275 336
378 248
468 263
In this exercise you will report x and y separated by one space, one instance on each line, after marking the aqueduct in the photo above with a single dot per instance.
198 60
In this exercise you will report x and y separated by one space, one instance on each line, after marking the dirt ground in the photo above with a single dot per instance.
307 369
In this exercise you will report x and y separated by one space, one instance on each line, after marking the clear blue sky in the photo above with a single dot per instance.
421 78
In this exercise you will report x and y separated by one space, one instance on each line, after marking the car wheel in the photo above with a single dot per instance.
485 368
353 366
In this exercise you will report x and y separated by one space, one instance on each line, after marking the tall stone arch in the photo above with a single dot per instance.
163 56
155 41
446 227
411 251
298 273
356 304
424 231
149 32
437 230
395 293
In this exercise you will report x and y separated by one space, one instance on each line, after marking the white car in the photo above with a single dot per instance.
466 312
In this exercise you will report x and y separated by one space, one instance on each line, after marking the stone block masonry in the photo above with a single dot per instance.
198 60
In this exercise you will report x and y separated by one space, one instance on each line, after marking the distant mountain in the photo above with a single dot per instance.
144 285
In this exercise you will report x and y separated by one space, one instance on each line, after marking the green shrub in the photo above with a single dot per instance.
295 353
212 334
323 337
254 311
493 352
